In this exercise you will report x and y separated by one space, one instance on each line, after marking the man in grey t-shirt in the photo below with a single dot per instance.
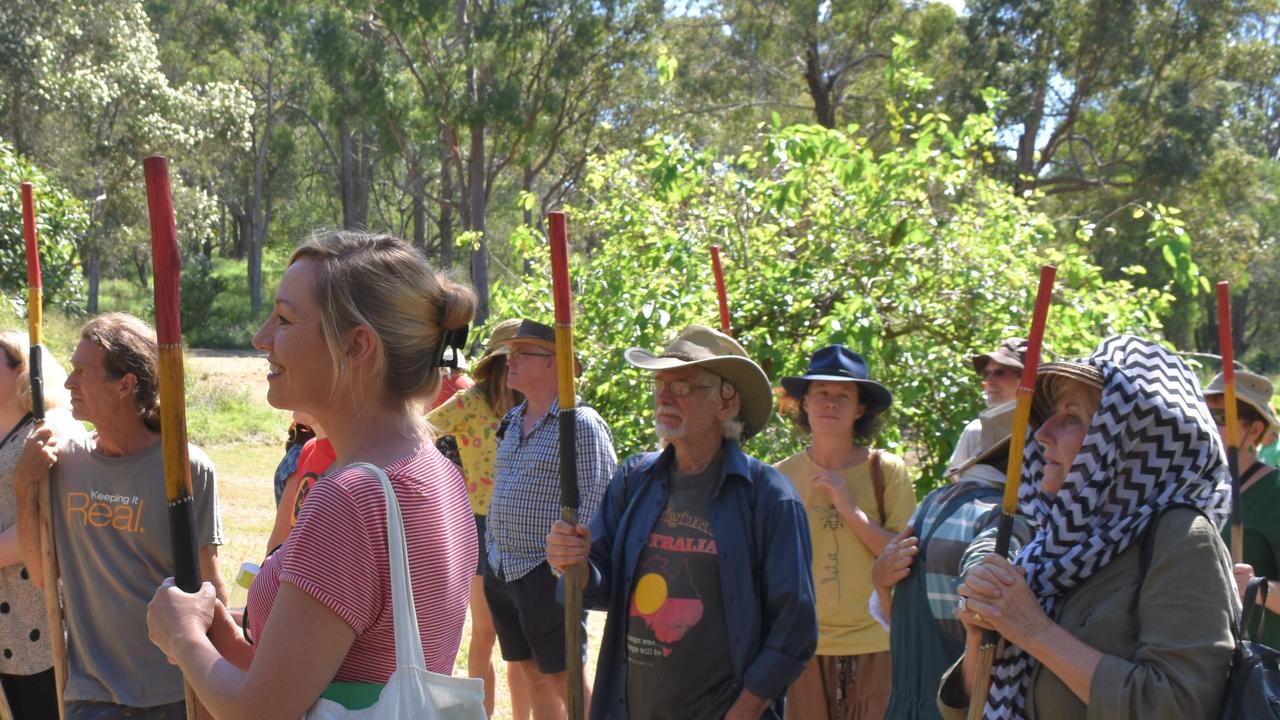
111 524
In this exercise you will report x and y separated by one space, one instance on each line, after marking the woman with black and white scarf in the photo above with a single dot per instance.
1096 622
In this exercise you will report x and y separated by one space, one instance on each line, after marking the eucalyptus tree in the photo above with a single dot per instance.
508 86
91 100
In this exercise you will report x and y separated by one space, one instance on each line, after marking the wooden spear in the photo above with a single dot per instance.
720 291
1013 475
44 500
167 266
1233 417
565 366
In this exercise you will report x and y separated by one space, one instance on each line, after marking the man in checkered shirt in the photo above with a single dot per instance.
518 584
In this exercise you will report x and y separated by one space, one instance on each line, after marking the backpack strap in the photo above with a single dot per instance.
1253 607
877 481
1260 470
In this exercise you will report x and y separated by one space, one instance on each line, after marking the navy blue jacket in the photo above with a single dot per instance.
765 555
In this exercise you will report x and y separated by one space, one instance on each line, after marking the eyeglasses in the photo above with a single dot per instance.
523 355
998 373
679 388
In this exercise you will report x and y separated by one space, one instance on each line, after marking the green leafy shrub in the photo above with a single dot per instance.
911 255
61 224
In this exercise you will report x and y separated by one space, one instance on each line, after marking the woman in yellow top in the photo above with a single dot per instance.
472 418
857 499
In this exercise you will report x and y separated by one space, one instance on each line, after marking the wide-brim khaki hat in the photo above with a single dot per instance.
502 332
1253 390
701 346
997 429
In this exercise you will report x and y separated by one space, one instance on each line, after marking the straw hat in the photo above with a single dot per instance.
1084 373
1253 390
997 429
703 347
502 332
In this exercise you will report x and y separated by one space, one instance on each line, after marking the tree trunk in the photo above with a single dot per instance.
207 248
141 266
479 256
1239 315
364 178
347 178
258 217
244 231
418 186
446 204
1026 156
821 89
526 185
93 274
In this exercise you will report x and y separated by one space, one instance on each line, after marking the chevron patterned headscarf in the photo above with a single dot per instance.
1151 445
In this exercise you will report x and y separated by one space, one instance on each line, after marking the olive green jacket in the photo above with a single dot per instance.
1170 659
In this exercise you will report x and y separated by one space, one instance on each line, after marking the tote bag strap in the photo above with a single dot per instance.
404 614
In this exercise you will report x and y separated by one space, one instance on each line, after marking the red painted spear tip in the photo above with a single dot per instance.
558 237
29 235
1039 318
1225 341
165 261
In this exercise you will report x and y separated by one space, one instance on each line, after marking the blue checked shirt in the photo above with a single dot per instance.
526 486
959 542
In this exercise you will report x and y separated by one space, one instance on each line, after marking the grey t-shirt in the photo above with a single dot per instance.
112 535
678 661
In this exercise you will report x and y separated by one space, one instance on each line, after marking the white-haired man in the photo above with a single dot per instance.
699 553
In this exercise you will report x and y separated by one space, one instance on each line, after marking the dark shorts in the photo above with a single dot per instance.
83 710
529 620
481 522
31 697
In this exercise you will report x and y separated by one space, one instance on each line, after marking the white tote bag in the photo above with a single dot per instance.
412 691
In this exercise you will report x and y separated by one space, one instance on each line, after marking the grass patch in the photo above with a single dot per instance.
219 413
244 473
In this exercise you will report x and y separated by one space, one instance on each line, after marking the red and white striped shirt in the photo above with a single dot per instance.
337 554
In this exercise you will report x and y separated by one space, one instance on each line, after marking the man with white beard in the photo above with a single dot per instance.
699 553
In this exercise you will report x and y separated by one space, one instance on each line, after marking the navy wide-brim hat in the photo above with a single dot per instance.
838 363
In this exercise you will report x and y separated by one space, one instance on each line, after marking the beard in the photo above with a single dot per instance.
668 430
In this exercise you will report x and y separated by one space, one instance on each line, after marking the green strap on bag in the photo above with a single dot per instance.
353 696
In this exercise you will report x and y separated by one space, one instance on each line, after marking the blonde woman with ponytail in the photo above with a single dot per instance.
358 330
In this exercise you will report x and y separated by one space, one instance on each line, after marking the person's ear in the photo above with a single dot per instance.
860 411
126 386
361 345
1253 434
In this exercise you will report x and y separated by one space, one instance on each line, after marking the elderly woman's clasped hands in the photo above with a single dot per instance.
994 596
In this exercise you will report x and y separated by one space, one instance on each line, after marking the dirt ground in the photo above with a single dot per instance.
241 368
